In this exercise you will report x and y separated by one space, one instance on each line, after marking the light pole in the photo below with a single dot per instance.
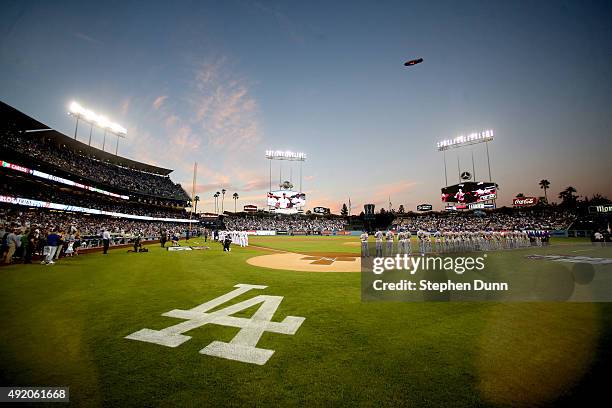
94 119
77 126
90 132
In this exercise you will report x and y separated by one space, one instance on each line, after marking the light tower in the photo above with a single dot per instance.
88 116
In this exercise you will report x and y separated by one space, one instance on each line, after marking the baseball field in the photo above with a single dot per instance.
66 325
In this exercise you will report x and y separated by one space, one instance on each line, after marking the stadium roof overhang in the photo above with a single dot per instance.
62 139
20 121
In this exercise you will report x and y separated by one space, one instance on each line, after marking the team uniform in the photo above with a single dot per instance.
401 243
379 243
438 240
364 245
389 238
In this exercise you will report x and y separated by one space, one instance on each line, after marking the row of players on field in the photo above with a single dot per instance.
231 237
452 241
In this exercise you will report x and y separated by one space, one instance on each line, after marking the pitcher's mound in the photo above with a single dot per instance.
307 263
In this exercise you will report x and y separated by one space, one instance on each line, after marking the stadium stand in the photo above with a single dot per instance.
552 220
44 148
288 223
50 181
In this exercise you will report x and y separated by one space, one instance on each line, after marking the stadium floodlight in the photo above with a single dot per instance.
75 108
465 140
285 155
102 122
89 116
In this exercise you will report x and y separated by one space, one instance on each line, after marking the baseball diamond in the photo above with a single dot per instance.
274 203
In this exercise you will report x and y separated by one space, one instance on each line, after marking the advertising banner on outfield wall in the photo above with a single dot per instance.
600 209
60 180
321 210
250 208
63 207
524 201
265 232
424 207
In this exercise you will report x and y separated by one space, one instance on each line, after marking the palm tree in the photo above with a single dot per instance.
216 195
520 195
567 196
235 197
222 199
195 200
544 185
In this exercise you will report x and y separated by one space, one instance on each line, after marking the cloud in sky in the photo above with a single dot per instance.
214 120
159 101
395 188
225 111
87 38
124 108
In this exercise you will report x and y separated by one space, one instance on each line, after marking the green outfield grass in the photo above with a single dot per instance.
300 244
65 325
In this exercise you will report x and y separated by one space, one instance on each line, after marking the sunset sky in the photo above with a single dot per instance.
219 82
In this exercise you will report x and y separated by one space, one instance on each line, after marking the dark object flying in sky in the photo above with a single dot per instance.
413 62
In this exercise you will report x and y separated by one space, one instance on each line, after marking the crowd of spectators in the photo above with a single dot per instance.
284 223
26 232
87 225
91 200
522 221
90 167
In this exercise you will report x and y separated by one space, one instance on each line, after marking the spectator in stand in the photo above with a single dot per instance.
4 245
32 237
77 242
12 242
60 244
106 240
53 240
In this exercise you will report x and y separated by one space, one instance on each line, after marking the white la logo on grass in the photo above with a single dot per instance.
243 347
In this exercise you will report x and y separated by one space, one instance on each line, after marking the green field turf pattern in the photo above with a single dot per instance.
64 325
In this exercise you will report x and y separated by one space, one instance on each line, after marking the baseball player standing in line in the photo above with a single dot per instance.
401 243
389 237
364 245
409 242
379 244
